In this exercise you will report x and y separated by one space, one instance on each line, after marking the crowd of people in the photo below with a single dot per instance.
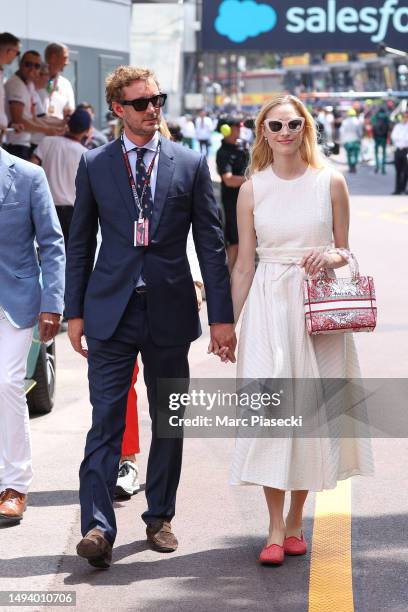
366 131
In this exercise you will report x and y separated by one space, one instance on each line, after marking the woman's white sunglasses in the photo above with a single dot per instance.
275 126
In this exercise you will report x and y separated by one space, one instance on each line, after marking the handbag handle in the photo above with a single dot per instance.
351 262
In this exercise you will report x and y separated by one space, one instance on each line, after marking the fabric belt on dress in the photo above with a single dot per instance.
288 256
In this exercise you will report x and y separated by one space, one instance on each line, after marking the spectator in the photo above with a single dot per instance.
9 50
60 157
399 138
22 107
28 214
204 130
175 131
380 123
351 132
188 130
96 138
232 161
40 81
60 99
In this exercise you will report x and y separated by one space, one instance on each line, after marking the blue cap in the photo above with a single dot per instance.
79 121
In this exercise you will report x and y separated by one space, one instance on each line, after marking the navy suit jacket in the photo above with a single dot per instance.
183 196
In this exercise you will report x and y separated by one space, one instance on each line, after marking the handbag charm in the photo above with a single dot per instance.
339 305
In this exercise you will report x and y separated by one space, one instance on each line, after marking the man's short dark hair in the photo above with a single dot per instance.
8 40
29 52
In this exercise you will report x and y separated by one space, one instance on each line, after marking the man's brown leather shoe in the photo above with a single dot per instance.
161 537
96 549
12 505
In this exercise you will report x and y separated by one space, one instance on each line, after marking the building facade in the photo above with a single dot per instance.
97 33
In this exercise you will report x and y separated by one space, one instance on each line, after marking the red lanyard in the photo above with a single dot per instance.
138 201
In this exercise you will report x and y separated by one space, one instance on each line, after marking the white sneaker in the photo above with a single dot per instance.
128 479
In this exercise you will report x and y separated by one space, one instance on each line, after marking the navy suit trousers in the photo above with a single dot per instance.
110 367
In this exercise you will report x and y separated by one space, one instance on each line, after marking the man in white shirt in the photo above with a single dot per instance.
351 133
9 50
60 157
399 138
204 129
59 95
21 107
40 82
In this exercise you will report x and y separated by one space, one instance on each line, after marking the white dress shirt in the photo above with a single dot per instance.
151 147
399 136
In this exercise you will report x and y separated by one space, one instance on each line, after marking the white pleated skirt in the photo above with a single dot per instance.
274 344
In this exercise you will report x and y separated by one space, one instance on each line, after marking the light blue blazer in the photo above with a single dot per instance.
27 213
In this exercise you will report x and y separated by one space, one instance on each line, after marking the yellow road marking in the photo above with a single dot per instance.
393 217
331 580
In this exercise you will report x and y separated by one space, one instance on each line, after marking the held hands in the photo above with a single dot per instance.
48 325
75 334
314 261
223 341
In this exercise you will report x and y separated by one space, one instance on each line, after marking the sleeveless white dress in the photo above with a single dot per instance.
291 217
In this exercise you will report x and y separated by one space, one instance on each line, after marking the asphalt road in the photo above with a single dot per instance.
221 529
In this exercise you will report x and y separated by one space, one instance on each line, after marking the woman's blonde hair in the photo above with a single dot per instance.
261 152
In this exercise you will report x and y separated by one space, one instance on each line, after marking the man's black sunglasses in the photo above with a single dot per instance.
141 104
29 64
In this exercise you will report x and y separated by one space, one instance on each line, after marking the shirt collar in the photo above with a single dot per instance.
151 145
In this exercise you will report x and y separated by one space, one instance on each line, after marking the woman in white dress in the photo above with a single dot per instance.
290 211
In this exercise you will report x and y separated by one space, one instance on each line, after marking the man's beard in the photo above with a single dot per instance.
145 131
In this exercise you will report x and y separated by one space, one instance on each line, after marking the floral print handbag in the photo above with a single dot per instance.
339 305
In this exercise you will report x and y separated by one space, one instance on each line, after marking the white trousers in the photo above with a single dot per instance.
15 443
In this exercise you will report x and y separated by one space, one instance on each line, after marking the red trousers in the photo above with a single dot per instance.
130 442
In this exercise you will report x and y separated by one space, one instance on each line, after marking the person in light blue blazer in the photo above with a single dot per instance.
27 219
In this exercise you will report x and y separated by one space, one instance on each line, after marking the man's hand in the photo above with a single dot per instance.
17 127
48 325
223 341
75 334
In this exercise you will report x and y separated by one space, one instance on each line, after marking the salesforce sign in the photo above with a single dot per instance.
283 25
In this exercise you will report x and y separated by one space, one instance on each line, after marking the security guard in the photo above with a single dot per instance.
232 161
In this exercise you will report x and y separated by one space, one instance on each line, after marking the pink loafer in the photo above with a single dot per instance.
294 545
272 555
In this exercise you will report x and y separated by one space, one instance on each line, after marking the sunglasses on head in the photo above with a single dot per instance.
141 104
28 64
275 126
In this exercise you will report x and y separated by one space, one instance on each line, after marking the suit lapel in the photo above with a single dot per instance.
121 178
164 176
6 174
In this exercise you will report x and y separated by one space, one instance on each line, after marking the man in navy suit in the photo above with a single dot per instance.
145 192
27 213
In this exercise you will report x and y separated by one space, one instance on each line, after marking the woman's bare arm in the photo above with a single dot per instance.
244 269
